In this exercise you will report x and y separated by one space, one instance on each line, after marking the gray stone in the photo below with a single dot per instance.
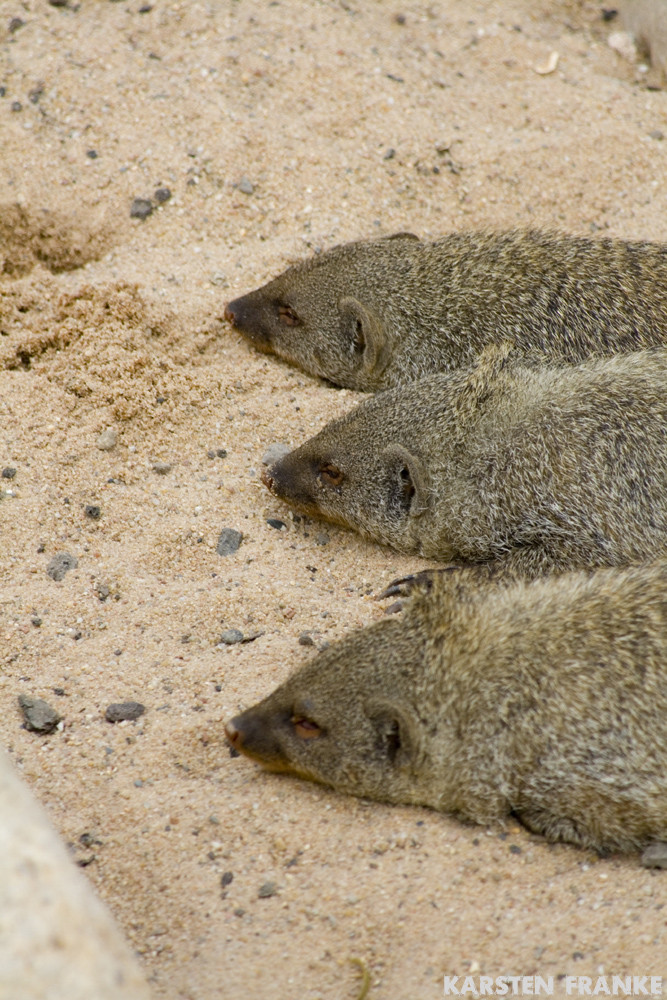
228 541
108 439
124 711
61 563
162 468
655 855
58 941
38 714
274 452
246 186
141 208
231 636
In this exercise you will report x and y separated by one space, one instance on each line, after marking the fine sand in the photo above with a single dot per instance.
279 128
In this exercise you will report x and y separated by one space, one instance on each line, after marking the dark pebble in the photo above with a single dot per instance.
161 399
58 3
125 710
91 154
577 956
15 24
227 878
306 639
61 563
321 538
35 95
231 636
38 714
655 855
515 849
16 106
162 468
141 208
93 511
233 752
267 890
161 194
8 472
609 13
228 541
275 523
36 621
390 154
145 8
3 91
59 691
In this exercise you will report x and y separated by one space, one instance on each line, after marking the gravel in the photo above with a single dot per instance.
229 541
38 714
61 564
124 711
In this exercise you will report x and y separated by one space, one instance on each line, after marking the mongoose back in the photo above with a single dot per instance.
546 700
378 313
536 468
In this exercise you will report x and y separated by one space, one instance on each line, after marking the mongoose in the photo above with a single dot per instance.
646 20
537 468
379 313
546 700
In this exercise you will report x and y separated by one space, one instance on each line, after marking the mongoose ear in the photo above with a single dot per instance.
402 236
408 481
398 735
363 333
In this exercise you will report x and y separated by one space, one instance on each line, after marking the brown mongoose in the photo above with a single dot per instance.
546 700
537 468
379 313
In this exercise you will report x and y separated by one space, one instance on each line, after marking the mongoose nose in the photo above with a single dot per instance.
230 314
234 734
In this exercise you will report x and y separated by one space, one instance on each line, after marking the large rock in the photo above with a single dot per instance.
57 940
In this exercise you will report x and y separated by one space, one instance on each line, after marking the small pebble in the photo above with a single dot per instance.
38 714
246 186
61 563
93 511
231 636
267 890
108 439
390 154
16 106
228 541
162 468
123 711
655 855
515 849
227 878
92 154
15 24
36 621
102 591
8 472
58 3
657 134
274 452
141 208
321 538
274 522
306 639
161 194
221 452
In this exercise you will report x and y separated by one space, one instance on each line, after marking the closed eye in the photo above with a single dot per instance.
287 316
330 475
305 728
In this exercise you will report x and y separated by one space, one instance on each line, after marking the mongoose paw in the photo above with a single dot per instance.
404 586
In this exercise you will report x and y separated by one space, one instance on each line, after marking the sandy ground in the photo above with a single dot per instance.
113 322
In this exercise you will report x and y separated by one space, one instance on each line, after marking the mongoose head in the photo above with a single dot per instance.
347 718
360 472
380 468
332 315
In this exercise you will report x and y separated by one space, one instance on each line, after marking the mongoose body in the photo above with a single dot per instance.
546 700
379 313
535 468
